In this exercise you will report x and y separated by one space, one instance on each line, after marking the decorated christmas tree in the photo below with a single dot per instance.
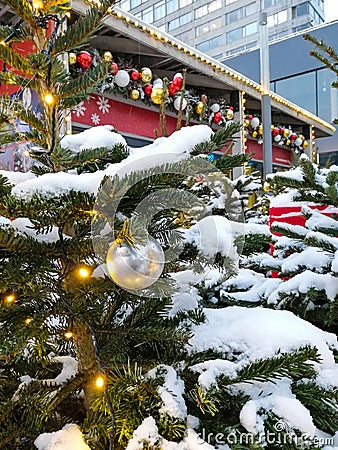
109 335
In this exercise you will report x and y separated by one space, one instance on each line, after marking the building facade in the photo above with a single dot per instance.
224 27
299 77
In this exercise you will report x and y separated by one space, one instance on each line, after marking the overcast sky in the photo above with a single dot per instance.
331 10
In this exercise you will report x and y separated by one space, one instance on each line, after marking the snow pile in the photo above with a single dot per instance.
311 258
171 392
176 147
69 438
25 226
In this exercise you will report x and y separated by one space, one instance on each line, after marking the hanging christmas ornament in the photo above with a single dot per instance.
134 94
254 134
254 122
84 59
135 267
71 58
147 89
114 68
305 144
246 123
277 138
260 130
134 75
177 103
107 56
293 137
122 78
215 107
281 131
199 108
217 117
288 142
286 132
157 95
158 83
250 117
275 132
298 141
146 75
172 89
178 81
229 114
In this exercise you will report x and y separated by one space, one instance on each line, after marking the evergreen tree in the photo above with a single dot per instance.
137 369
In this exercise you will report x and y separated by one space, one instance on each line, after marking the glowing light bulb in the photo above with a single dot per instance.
49 99
100 381
68 334
84 272
9 299
28 320
37 4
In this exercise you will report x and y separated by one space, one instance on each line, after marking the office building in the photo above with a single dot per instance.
224 27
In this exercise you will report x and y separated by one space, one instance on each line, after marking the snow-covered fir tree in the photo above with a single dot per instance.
92 363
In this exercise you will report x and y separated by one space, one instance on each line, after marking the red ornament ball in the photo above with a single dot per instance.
275 131
148 89
114 68
293 137
250 116
178 82
281 131
84 59
134 75
231 108
172 89
217 117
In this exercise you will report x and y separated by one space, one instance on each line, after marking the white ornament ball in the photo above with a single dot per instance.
277 138
135 268
254 122
298 142
177 75
177 103
215 107
122 78
158 83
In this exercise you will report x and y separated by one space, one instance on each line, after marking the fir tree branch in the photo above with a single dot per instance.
23 9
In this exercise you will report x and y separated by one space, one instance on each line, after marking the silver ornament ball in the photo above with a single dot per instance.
135 268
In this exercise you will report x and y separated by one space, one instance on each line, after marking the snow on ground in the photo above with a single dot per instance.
69 438
102 136
174 148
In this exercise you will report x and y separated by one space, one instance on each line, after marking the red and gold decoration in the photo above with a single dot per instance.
84 60
281 135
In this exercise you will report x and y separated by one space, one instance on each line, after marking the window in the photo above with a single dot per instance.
124 4
302 9
233 35
184 3
300 90
182 20
327 95
276 19
240 13
249 29
148 15
250 9
208 27
172 5
268 3
134 3
159 10
206 9
210 44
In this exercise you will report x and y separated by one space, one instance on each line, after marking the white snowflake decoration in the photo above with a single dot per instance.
80 109
103 104
95 119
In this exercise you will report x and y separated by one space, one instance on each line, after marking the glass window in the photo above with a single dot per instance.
210 44
233 35
327 95
159 10
299 90
268 3
172 5
250 9
184 3
182 20
302 9
148 15
123 4
276 19
209 26
134 3
233 16
205 9
249 29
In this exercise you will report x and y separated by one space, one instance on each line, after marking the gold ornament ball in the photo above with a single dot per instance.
254 134
266 187
246 123
260 129
229 114
135 268
71 58
305 144
286 132
107 56
199 108
146 75
288 142
157 95
272 127
134 94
